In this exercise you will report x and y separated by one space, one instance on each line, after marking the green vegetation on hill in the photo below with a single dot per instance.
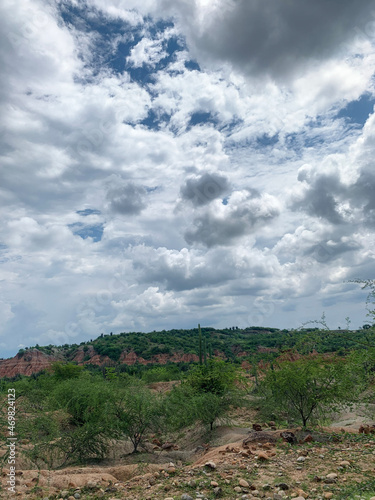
232 343
74 412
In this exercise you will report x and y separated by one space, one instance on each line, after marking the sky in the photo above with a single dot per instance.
167 163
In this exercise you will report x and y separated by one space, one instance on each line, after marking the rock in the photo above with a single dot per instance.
91 485
211 465
64 494
31 362
237 489
185 496
263 456
281 493
289 437
266 487
192 483
308 439
77 496
301 459
257 427
332 475
367 429
168 498
330 480
302 494
328 495
168 446
218 491
214 484
344 463
277 496
272 423
243 483
282 486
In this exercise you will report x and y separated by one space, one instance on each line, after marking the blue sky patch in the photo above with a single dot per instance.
202 117
192 65
154 121
95 232
88 211
358 111
105 53
267 140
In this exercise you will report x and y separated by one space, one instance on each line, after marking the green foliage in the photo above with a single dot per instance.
107 349
88 405
216 377
179 408
138 410
210 407
206 395
306 390
65 371
161 374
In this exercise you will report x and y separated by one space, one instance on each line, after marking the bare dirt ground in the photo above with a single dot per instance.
233 462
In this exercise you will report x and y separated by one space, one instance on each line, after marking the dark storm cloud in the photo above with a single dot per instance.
326 193
212 231
127 200
319 199
327 251
362 194
202 190
239 218
276 37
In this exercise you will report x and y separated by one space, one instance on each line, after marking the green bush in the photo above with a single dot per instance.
138 411
307 390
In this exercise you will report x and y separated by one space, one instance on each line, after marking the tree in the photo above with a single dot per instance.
215 377
89 403
65 371
206 395
138 410
307 389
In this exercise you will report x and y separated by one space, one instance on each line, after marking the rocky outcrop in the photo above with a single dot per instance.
27 363
34 361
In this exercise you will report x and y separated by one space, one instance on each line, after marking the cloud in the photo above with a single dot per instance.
127 199
222 224
319 199
270 38
204 189
340 189
123 192
148 52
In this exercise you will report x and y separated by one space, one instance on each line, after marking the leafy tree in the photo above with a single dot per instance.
307 389
65 371
215 377
179 407
207 395
210 407
138 411
90 406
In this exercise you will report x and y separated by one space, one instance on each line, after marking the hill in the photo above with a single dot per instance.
138 349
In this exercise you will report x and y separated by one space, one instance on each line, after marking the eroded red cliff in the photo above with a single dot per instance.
30 362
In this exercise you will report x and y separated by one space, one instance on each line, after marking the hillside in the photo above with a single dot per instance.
137 349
